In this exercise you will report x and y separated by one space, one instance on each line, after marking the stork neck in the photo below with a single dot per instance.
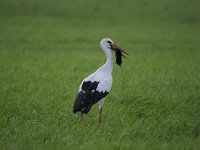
108 66
109 58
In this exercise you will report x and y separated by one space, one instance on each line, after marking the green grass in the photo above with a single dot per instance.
48 47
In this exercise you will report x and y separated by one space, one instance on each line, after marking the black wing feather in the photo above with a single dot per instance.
87 97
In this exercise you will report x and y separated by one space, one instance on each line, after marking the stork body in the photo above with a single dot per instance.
96 86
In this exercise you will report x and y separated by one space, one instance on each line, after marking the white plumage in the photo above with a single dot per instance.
105 80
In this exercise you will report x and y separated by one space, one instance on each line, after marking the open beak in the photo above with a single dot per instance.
119 53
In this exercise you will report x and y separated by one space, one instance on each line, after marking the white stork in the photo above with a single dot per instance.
96 86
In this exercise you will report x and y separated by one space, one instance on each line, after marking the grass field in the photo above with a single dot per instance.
48 47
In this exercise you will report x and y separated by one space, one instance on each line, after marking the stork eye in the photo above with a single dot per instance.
109 42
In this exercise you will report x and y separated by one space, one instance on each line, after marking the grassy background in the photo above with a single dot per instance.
47 47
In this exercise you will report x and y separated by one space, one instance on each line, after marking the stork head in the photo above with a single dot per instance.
107 43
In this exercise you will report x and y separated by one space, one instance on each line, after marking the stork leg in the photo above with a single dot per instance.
81 118
100 114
